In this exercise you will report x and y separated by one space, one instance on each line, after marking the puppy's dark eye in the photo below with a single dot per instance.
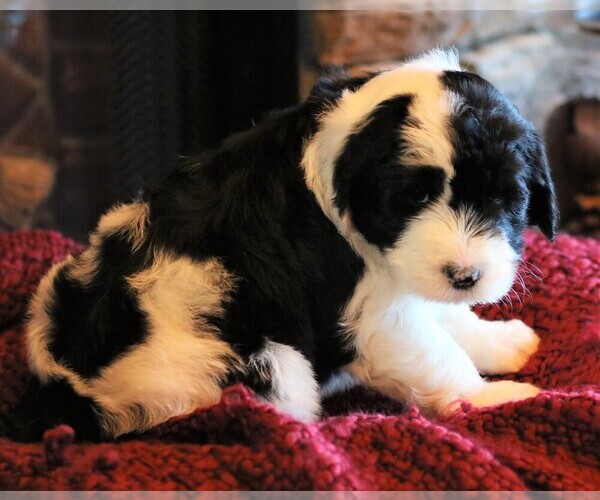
421 200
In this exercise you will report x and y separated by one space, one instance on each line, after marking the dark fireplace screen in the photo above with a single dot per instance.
171 84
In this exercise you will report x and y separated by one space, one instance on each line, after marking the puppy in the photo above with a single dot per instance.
340 240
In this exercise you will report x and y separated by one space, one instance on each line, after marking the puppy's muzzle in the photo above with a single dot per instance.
461 278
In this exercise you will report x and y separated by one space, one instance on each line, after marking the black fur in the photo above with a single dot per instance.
248 204
93 325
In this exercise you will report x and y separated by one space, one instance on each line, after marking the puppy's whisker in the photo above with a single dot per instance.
509 300
505 301
521 281
529 273
526 266
518 298
524 290
501 301
530 264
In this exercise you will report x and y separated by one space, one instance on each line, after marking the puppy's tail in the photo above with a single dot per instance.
44 406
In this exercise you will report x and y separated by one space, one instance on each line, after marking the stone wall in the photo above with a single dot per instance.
540 60
366 37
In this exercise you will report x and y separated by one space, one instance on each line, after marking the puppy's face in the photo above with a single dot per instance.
439 172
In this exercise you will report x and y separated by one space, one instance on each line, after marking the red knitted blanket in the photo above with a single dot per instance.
365 441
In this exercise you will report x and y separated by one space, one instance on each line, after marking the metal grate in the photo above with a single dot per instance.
144 92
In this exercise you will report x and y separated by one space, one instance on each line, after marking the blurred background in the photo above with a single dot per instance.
96 104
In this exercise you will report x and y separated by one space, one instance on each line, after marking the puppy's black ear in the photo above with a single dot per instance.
543 209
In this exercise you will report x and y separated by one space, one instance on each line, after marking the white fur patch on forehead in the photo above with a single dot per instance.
428 139
427 135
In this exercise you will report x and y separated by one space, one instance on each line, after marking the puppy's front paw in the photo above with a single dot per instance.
494 393
507 348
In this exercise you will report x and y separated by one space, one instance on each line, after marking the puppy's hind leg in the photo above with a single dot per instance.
496 347
284 377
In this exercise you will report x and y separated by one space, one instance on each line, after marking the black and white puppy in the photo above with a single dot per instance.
343 239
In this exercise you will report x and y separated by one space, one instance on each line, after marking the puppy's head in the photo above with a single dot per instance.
434 168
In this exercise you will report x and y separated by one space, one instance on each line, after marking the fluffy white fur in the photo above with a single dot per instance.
495 347
182 363
441 236
39 326
295 390
432 353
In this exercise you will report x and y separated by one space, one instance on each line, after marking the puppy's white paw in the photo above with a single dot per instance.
494 393
506 348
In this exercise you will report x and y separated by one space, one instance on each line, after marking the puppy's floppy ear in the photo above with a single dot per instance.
370 203
372 189
543 209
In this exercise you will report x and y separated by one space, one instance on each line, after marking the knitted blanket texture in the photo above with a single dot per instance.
364 441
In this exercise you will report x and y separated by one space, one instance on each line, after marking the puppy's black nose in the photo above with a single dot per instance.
461 278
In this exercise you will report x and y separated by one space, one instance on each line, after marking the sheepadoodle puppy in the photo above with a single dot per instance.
339 241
